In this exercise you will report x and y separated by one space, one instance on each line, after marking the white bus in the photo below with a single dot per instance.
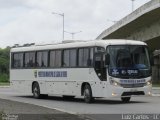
92 69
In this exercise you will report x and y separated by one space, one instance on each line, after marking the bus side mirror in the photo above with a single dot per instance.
107 59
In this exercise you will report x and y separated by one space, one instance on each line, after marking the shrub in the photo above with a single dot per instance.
4 77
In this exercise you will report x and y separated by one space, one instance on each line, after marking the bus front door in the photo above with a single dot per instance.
99 66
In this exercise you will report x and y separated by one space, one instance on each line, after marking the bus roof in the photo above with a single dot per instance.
102 43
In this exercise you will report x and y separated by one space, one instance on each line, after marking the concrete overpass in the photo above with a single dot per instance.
143 24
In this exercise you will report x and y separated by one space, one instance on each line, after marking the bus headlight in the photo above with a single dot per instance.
148 82
113 82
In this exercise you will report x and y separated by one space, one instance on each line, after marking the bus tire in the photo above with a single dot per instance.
125 99
36 91
87 92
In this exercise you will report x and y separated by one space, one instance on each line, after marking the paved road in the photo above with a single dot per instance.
97 110
24 111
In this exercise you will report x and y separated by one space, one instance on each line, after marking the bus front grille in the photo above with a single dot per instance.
133 85
133 93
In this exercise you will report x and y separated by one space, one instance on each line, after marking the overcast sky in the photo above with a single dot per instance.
32 21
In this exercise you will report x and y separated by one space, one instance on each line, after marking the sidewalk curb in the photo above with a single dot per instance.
156 92
4 86
156 95
156 88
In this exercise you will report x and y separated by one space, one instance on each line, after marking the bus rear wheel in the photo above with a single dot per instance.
36 91
88 94
125 99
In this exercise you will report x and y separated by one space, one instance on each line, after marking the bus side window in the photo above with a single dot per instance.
30 64
36 64
73 58
42 59
90 62
70 58
26 62
83 57
43 65
17 61
58 58
66 58
29 59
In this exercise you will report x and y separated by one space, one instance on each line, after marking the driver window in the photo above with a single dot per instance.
123 58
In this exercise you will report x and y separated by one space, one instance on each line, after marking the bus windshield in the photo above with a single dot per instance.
129 61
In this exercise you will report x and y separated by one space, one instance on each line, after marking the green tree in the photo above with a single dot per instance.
4 64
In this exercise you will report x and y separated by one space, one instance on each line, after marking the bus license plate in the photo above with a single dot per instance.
131 81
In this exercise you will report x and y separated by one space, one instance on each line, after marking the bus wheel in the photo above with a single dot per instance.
87 94
36 91
125 99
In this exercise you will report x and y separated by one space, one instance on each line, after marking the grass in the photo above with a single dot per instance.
156 84
4 77
4 83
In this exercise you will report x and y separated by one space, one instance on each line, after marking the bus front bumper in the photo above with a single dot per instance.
124 92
